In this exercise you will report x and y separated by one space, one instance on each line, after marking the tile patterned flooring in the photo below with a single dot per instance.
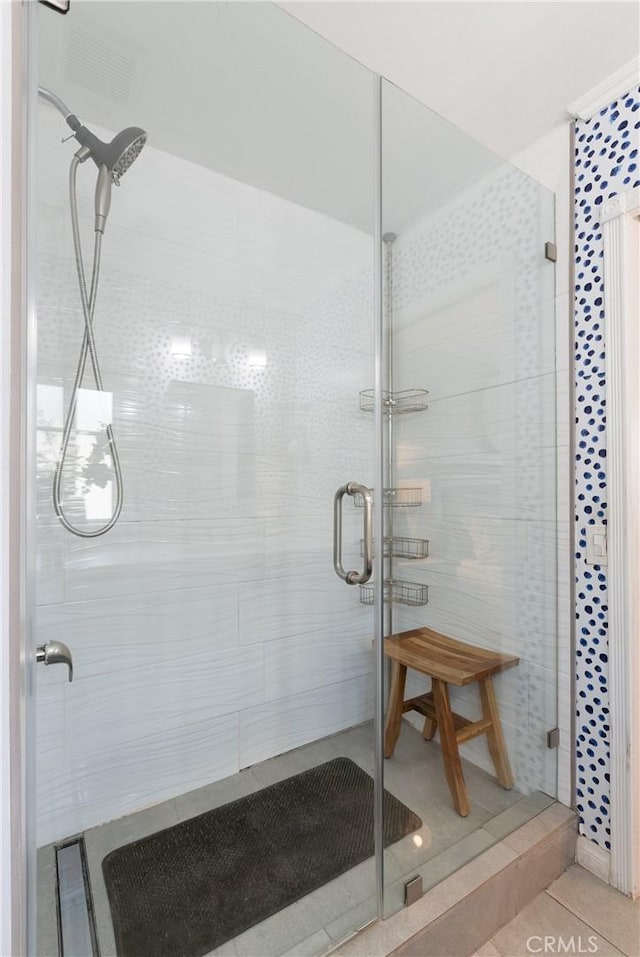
319 921
577 914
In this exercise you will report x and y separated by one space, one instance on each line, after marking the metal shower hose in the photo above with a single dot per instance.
88 348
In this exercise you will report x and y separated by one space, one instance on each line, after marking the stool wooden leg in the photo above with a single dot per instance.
394 708
449 745
429 728
495 737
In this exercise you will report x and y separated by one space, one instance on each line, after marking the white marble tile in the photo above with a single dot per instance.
547 687
486 613
294 665
198 211
318 943
106 782
50 570
304 435
564 324
473 342
565 658
518 485
518 415
278 236
51 690
302 606
467 323
564 412
163 696
193 417
139 557
279 726
124 738
565 763
482 548
188 485
563 496
220 792
204 263
311 489
285 286
301 543
141 631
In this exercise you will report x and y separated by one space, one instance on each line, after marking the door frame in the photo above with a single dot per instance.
14 863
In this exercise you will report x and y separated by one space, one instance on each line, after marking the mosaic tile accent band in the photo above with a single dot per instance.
605 164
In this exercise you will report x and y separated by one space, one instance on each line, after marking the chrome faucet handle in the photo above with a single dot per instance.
55 653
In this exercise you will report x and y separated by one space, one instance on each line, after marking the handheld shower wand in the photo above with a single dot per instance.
113 160
115 157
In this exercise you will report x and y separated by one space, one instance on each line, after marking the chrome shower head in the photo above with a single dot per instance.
118 155
112 159
133 140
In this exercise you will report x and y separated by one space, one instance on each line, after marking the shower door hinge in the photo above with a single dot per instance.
553 738
413 891
62 6
551 252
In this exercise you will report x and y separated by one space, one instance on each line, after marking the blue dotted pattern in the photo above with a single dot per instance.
606 164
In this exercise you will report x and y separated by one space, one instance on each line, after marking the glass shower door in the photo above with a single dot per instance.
216 655
470 310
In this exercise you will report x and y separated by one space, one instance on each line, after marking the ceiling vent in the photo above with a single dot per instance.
100 66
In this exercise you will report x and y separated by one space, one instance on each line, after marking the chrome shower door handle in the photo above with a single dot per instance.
55 653
353 577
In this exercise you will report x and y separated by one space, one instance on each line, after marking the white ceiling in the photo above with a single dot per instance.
504 72
247 90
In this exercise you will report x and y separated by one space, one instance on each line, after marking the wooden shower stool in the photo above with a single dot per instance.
447 661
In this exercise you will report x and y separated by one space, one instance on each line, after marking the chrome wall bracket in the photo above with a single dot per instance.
551 252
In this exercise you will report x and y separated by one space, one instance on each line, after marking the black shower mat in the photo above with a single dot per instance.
185 890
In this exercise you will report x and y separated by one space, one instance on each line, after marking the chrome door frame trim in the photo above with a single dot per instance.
380 367
18 893
31 412
12 526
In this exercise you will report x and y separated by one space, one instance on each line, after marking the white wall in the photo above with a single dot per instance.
474 320
208 628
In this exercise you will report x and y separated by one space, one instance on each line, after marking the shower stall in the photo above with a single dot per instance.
323 341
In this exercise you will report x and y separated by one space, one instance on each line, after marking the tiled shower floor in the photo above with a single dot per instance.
319 921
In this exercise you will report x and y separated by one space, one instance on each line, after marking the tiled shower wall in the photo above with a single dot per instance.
208 628
605 164
474 323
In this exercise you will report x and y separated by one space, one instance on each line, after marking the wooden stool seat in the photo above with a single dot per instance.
447 661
